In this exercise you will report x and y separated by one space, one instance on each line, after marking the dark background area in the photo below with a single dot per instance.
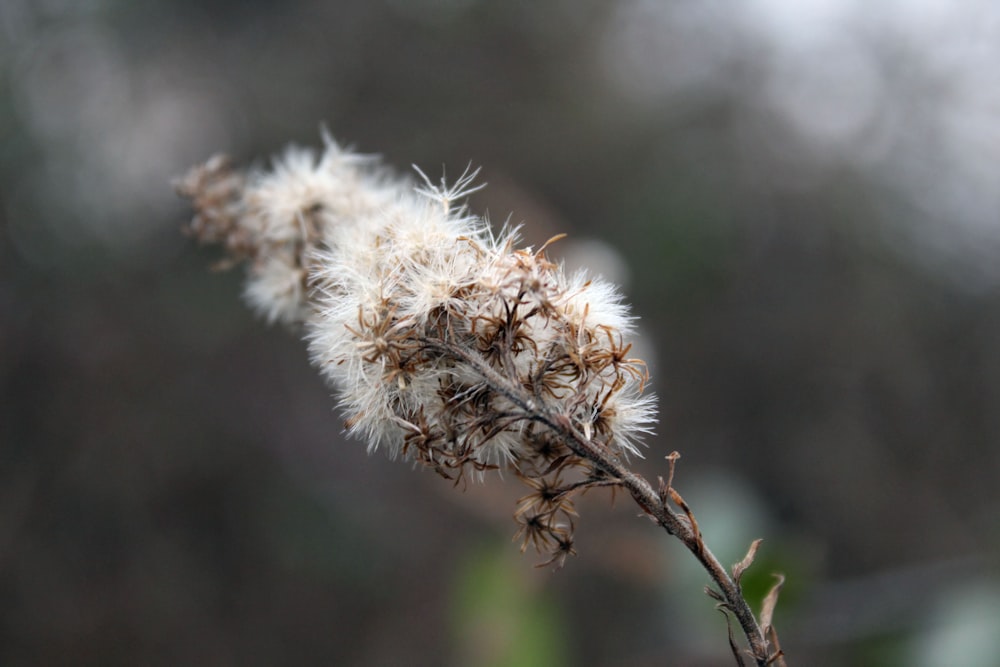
801 200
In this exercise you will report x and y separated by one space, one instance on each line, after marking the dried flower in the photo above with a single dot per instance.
445 342
450 345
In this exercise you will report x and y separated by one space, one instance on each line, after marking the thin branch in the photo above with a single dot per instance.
684 528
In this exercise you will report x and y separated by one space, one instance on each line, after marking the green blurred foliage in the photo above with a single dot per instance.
498 620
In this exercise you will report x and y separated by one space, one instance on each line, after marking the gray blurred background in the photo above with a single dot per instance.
801 199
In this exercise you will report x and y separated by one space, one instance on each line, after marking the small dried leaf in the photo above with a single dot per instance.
672 460
741 567
778 657
714 594
737 653
770 601
662 490
679 501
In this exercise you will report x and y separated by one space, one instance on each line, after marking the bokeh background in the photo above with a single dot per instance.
802 200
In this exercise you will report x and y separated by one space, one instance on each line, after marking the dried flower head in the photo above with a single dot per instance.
450 345
446 342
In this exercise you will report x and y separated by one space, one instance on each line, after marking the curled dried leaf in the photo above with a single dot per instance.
770 601
741 567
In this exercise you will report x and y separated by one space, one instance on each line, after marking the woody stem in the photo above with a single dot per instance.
640 489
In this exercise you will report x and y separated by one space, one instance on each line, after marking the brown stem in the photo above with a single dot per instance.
640 489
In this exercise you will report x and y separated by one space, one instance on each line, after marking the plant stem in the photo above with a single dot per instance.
641 490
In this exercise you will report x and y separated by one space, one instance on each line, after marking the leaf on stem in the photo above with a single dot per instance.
741 567
737 653
778 657
770 601
695 530
767 621
672 461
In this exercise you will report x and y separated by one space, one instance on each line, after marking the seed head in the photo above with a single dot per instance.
446 342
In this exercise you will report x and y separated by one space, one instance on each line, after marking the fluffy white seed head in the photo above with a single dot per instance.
444 341
439 337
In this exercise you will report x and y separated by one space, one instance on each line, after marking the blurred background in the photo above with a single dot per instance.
802 200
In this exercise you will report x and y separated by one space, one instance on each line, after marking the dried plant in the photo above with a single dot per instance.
450 345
